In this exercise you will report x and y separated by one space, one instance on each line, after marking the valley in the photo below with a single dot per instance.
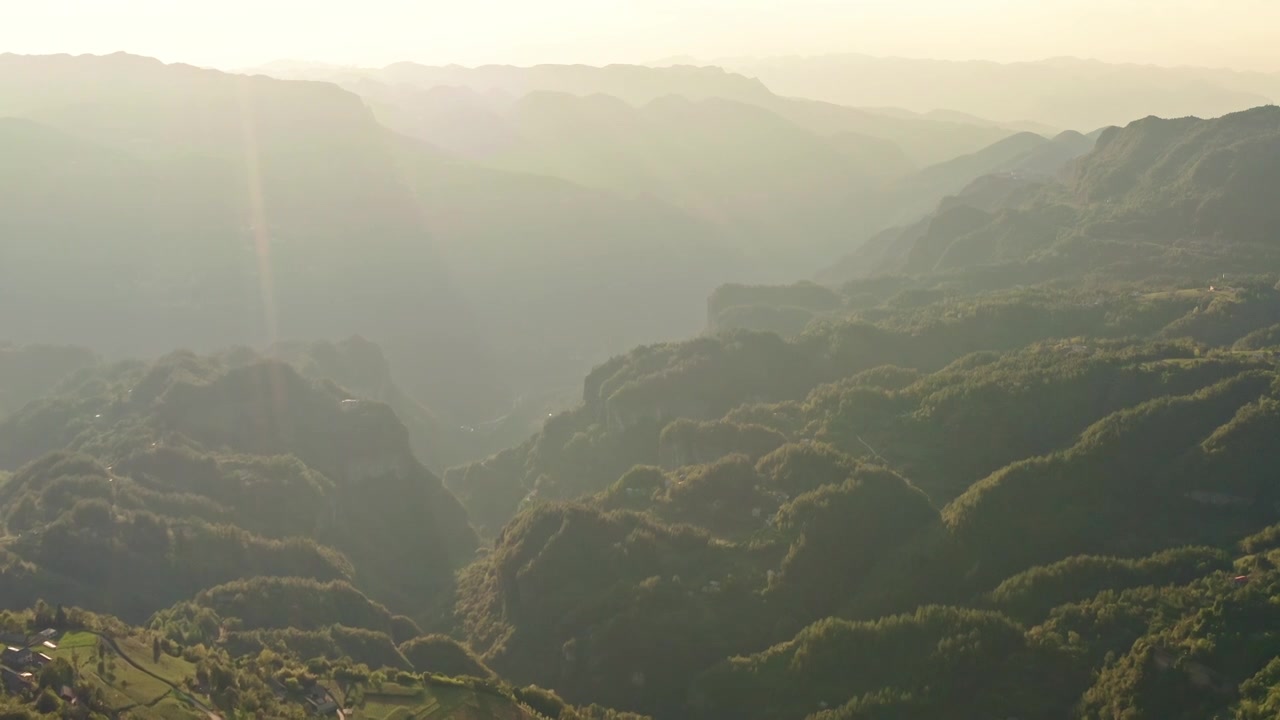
565 392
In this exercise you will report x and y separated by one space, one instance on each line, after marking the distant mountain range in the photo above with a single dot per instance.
179 207
528 222
496 231
1157 193
795 182
1066 93
925 140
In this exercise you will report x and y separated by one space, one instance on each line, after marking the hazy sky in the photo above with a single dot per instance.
234 33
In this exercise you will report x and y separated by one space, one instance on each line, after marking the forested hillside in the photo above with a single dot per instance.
135 486
1034 488
994 461
1155 197
1015 458
960 500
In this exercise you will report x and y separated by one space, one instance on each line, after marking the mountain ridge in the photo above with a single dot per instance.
1008 90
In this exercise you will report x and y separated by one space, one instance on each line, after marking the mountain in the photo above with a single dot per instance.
1204 177
775 511
889 485
1146 194
923 140
758 170
785 195
934 199
822 168
1022 155
939 494
1026 473
633 84
1052 158
1065 93
209 209
273 474
180 207
457 119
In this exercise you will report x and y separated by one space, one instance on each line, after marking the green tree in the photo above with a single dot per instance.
48 703
56 674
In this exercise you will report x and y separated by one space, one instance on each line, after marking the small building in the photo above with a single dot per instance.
12 638
40 659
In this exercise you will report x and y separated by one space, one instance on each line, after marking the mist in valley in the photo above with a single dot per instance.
666 360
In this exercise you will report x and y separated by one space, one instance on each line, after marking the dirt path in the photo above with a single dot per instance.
181 693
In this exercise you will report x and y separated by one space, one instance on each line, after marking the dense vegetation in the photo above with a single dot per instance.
1020 464
100 667
1157 197
1036 492
949 493
140 485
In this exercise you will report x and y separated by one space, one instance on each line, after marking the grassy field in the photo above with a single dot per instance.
128 689
124 685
